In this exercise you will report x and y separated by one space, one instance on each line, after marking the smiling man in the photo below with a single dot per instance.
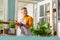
25 22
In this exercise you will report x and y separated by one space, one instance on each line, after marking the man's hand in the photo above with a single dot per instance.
25 25
19 24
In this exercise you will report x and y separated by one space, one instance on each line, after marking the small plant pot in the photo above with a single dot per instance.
1 31
6 31
12 31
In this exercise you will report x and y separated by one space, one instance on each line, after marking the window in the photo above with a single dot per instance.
44 15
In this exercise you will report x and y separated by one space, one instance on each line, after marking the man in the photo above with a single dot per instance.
25 22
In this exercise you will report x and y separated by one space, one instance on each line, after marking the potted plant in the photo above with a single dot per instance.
6 30
12 27
1 27
41 30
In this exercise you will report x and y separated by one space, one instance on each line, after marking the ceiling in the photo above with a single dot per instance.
22 3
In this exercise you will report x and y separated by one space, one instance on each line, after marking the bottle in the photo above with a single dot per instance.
18 31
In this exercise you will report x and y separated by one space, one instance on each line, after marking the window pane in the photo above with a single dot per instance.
41 20
41 10
47 19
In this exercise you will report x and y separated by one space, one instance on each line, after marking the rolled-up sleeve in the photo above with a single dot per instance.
30 21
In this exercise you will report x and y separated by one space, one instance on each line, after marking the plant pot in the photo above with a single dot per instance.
12 31
1 31
6 31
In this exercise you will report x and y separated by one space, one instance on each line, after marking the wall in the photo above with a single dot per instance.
11 9
5 9
58 26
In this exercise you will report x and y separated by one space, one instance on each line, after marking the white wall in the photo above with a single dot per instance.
58 29
5 10
30 9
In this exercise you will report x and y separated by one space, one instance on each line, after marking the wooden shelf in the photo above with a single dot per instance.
4 22
54 10
8 23
48 11
7 30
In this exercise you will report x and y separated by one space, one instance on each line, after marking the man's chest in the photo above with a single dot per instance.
25 20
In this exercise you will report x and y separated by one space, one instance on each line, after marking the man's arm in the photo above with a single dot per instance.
20 25
30 22
27 26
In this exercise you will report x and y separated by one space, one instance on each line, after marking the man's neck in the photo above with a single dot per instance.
25 16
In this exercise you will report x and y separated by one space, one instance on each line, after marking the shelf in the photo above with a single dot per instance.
8 23
54 10
48 11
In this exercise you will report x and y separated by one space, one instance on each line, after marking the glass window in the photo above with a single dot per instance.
41 10
41 20
44 13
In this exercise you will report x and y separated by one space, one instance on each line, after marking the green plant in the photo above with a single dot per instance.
42 29
1 25
12 24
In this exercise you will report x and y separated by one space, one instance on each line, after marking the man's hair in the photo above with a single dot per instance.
23 8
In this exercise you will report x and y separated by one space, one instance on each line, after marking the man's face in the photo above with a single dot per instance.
24 12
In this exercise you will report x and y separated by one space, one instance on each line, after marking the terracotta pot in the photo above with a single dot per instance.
6 31
1 31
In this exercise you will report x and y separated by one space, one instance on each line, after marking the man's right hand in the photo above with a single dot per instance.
19 24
